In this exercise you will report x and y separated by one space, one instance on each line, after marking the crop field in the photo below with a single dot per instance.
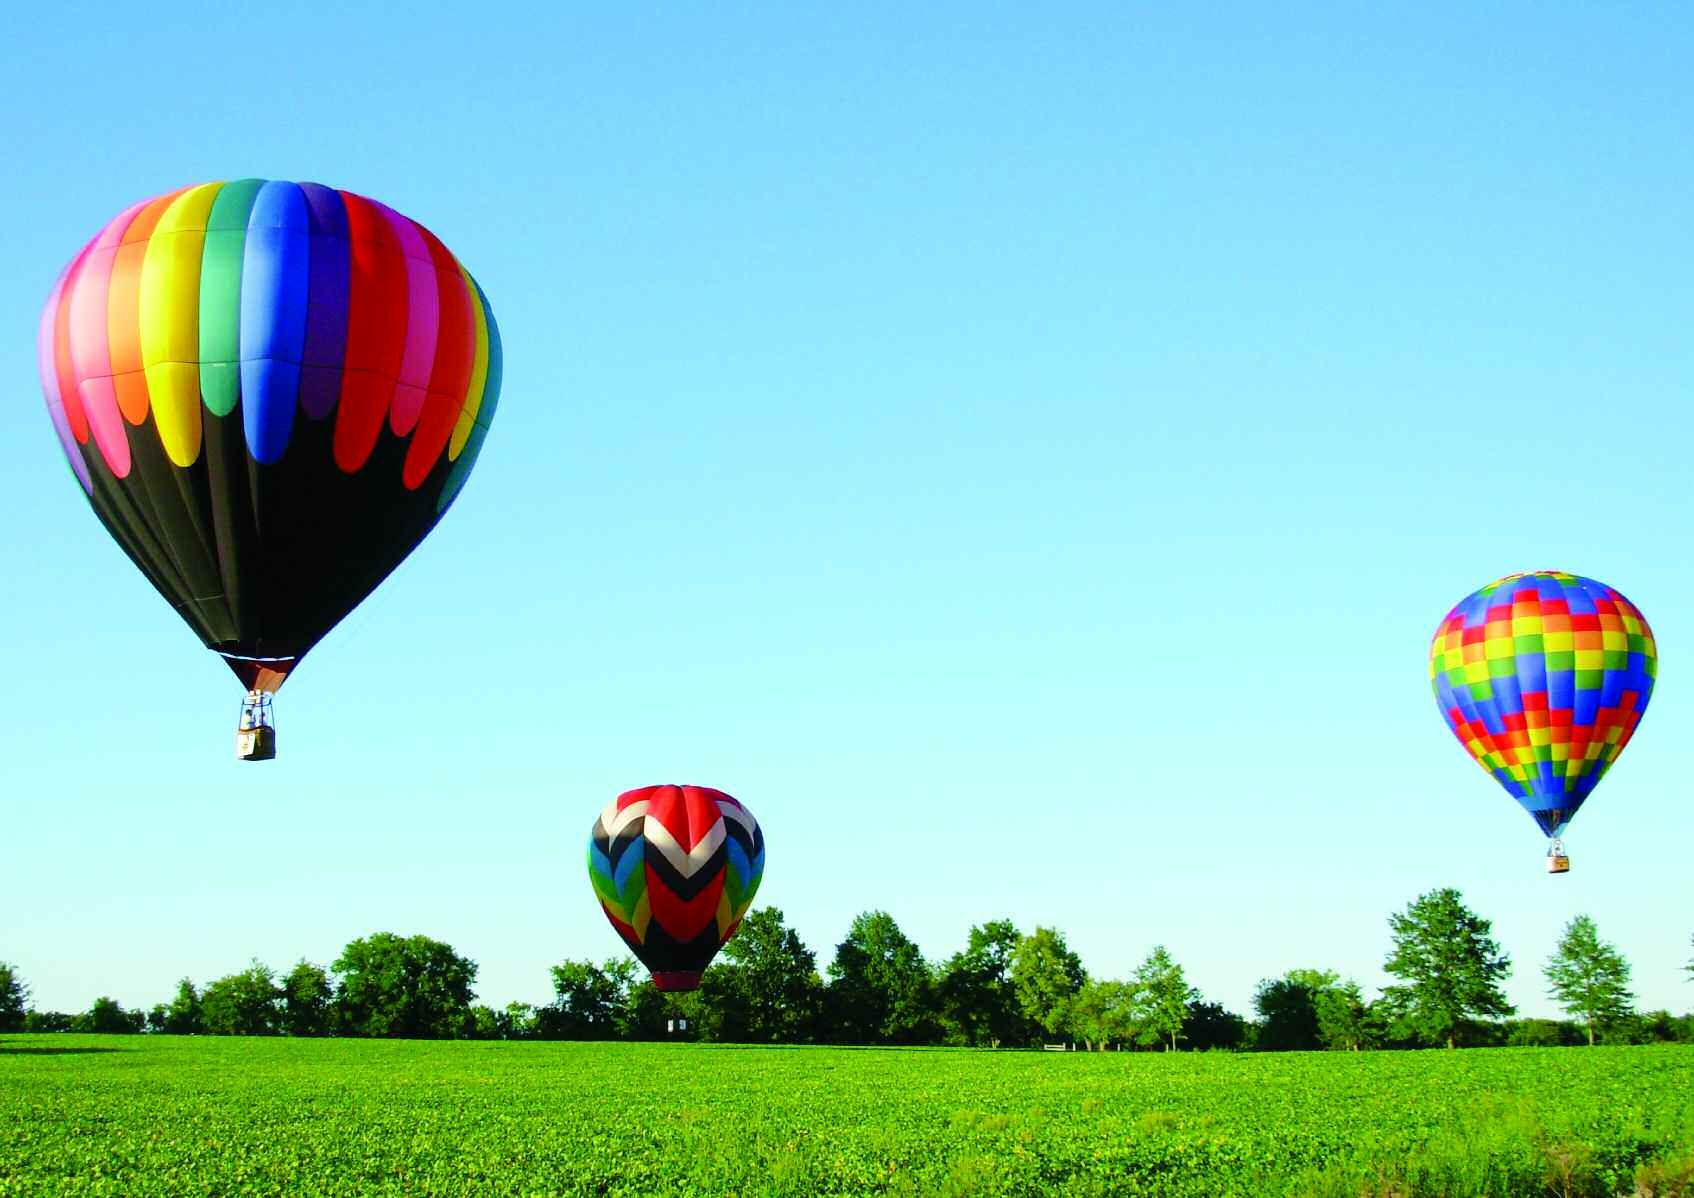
156 1115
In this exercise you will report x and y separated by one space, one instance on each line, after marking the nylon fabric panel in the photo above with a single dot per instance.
423 323
449 380
276 261
169 318
123 310
376 331
479 371
48 370
325 344
461 469
220 295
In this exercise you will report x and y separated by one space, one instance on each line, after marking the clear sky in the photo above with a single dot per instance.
1023 455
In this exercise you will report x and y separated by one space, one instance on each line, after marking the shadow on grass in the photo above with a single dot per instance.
9 1050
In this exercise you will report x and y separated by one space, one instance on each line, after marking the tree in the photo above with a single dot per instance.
880 989
587 1000
1451 966
248 1003
1288 1011
1209 1026
1343 1019
108 1016
308 1000
977 1002
403 986
1103 1013
766 989
14 999
51 1021
182 1017
1162 995
1046 977
1588 977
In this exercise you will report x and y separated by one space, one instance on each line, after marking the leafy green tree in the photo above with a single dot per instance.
403 986
483 1023
1046 977
1588 977
308 1001
648 1013
1209 1026
588 1000
1161 998
765 989
108 1016
1288 1012
977 1002
14 999
880 990
182 1016
1450 965
248 1003
1343 1019
1103 1013
50 1021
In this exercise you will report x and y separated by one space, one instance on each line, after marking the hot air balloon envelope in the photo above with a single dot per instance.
270 392
675 869
1543 678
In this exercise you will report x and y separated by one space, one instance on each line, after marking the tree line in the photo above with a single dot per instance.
1004 989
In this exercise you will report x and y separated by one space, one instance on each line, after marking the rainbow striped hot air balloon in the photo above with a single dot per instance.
1543 678
675 869
270 393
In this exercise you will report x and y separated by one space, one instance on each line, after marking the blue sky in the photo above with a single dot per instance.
1023 456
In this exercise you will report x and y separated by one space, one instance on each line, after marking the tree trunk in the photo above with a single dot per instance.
1591 1033
1450 1040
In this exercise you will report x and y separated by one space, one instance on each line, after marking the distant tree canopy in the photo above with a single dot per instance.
1588 977
1046 977
14 999
1449 965
1004 988
404 986
880 990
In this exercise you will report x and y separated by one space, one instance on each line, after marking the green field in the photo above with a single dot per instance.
157 1115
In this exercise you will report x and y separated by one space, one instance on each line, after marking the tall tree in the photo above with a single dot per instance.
1288 1011
1162 995
1342 1017
248 1003
977 1002
880 990
588 1000
107 1015
1103 1013
766 990
182 1017
14 999
308 1000
1589 977
403 986
1450 966
1046 976
1209 1026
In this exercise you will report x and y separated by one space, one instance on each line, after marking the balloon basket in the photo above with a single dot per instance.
255 735
1557 861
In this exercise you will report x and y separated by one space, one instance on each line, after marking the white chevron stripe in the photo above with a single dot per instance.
741 816
614 821
685 863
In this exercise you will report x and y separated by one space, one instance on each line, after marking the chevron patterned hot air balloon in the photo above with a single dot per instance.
269 392
1543 677
675 868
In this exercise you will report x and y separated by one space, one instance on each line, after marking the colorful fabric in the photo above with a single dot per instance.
675 869
270 392
1544 677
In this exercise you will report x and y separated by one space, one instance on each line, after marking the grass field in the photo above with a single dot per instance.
155 1115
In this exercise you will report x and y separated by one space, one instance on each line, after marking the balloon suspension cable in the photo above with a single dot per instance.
255 734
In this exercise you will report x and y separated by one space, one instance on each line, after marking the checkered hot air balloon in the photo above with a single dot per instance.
675 868
1543 677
